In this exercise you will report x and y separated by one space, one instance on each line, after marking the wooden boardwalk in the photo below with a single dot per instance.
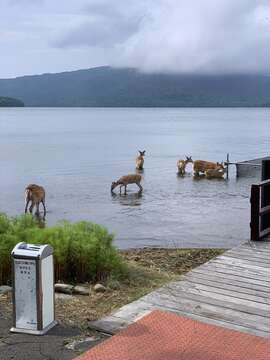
232 290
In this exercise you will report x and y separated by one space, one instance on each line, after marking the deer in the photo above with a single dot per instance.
217 173
140 160
36 195
127 179
181 165
202 166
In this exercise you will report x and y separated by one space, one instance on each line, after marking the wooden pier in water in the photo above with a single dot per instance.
232 290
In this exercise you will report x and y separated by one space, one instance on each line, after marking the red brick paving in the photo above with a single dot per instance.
166 336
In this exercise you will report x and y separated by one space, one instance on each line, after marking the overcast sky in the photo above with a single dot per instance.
198 36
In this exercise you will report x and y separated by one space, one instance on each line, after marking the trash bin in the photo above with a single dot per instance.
33 288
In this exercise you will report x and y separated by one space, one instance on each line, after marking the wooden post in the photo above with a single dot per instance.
228 161
265 194
255 213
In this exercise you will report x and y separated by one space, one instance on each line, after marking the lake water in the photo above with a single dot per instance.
75 153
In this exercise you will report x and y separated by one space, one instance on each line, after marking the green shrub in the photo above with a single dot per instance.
83 251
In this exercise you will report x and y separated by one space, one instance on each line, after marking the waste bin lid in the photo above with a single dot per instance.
23 249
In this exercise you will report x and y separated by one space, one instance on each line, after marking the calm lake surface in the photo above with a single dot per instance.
76 153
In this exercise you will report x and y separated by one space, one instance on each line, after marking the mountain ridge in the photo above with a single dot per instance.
127 87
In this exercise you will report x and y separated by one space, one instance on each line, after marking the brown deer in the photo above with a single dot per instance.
202 166
140 160
36 195
181 165
217 173
127 179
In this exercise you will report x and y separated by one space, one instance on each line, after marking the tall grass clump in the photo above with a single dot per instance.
83 251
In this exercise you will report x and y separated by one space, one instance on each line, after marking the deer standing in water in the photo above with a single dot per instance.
181 165
217 173
140 160
36 195
127 179
202 166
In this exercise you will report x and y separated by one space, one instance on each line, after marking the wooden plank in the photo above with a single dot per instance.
251 254
230 273
262 244
209 297
249 258
142 306
109 324
230 290
240 272
197 306
221 281
255 250
245 263
227 296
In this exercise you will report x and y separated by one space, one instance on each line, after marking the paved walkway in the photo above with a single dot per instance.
166 336
232 291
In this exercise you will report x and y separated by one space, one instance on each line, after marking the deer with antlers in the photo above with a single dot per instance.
36 195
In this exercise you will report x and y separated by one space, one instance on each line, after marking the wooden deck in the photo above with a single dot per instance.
232 290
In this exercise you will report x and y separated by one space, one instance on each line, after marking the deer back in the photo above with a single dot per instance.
202 165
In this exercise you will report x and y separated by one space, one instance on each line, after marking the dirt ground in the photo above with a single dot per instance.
148 269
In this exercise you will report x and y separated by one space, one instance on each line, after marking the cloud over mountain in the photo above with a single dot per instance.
181 36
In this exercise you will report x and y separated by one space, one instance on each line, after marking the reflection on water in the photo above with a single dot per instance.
77 153
132 199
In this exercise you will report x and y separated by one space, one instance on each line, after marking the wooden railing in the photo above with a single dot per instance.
260 210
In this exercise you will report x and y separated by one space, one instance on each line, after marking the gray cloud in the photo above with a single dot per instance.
199 36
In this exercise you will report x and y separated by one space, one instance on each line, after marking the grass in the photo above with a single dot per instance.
83 251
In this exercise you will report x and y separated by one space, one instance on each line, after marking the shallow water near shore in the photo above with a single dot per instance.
75 153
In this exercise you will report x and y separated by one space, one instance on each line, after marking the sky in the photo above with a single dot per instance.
165 36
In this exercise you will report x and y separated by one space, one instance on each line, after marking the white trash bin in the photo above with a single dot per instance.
33 289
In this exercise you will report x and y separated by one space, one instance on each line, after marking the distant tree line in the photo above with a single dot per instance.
10 102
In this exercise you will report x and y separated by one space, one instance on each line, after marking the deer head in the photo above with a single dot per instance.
220 166
188 159
142 153
113 186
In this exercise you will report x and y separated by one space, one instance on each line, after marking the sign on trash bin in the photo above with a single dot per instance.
33 288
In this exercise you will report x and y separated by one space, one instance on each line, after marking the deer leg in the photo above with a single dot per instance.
37 208
31 207
125 189
121 189
140 186
44 207
26 206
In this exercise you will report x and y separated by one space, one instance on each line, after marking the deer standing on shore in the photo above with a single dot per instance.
36 195
127 179
181 165
140 160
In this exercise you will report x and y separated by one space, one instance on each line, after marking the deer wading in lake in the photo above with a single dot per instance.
140 160
181 165
201 166
217 173
36 195
126 180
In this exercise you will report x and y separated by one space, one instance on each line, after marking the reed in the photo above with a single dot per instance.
83 251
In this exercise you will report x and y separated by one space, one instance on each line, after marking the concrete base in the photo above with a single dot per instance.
34 332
